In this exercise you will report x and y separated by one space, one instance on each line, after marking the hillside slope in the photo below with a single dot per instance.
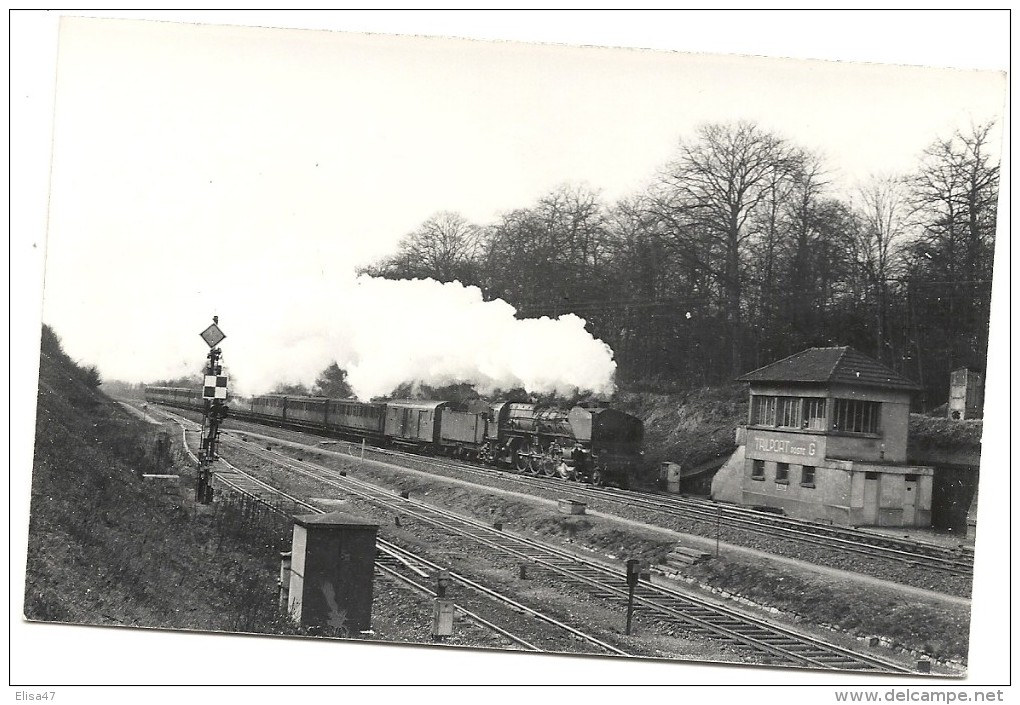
689 428
109 547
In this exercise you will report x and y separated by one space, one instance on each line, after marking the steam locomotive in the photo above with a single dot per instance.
590 442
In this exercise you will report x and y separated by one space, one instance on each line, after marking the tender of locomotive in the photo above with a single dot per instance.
614 440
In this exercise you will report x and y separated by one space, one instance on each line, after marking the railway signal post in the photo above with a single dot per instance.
633 575
214 395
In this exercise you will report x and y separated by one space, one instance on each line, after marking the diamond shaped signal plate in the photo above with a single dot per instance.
213 335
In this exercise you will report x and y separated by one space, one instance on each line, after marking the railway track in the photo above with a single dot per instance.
675 609
905 552
898 554
917 553
478 603
775 645
927 555
954 561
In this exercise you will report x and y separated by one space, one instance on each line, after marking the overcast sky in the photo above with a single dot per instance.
202 169
197 165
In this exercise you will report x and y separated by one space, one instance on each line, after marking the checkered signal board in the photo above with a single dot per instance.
215 387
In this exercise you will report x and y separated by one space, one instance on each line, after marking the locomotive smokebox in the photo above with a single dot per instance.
332 563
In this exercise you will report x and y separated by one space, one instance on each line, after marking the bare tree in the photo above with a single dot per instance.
878 243
640 279
520 260
771 302
547 257
575 219
706 199
807 225
954 195
446 247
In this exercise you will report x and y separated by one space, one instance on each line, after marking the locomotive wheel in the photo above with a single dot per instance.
532 466
525 462
548 466
597 477
522 462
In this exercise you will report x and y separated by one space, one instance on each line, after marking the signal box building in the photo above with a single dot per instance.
826 440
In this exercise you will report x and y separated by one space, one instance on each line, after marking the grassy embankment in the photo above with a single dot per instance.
109 547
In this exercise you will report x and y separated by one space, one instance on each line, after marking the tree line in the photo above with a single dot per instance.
331 382
742 250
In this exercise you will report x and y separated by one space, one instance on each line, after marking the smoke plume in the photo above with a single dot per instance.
387 332
438 334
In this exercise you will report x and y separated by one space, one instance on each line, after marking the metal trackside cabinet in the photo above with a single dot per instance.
332 562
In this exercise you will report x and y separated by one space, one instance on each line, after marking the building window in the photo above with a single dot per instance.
807 476
758 470
854 416
788 412
763 411
783 473
814 414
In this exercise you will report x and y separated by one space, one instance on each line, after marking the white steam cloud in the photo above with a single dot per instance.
389 332
422 330
287 323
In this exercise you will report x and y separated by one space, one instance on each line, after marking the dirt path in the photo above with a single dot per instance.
141 414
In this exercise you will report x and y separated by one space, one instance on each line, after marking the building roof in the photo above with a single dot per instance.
416 404
842 365
333 519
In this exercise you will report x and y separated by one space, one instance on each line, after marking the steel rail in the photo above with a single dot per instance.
424 589
827 537
402 555
492 594
391 501
739 518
